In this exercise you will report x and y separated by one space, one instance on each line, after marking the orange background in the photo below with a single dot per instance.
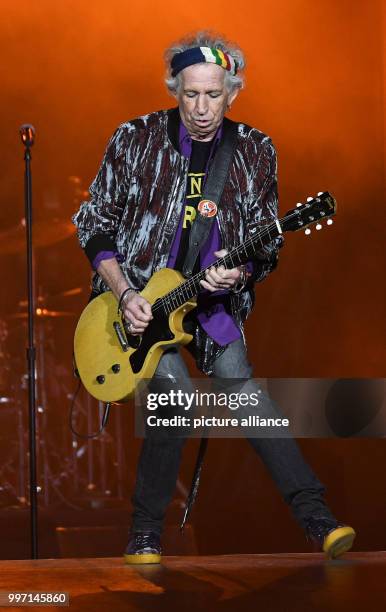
314 83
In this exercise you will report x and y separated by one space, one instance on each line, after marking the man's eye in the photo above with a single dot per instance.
214 95
190 94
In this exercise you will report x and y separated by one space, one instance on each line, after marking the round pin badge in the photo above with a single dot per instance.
207 208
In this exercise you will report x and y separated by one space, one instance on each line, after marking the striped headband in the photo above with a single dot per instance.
198 55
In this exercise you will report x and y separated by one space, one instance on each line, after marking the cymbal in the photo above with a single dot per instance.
43 313
44 233
69 292
41 299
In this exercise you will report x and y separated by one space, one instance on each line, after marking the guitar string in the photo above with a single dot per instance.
190 283
166 302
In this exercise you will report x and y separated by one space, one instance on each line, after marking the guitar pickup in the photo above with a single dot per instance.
121 336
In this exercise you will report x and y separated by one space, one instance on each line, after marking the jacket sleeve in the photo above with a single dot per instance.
263 209
98 219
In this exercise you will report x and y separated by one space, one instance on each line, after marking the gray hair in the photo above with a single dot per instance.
205 39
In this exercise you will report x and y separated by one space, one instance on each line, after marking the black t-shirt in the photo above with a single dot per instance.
196 175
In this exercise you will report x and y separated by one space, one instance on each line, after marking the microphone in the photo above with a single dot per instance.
27 134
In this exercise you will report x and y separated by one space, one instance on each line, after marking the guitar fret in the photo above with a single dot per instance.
253 244
240 254
261 241
183 295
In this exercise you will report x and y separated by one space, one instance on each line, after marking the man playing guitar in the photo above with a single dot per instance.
143 205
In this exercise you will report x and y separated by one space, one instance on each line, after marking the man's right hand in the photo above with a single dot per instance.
136 312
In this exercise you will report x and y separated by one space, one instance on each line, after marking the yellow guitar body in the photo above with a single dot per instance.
108 362
103 365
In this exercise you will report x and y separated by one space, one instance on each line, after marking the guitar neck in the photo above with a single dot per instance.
236 257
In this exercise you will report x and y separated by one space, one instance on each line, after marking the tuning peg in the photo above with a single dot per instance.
307 231
318 226
299 204
329 222
320 193
309 199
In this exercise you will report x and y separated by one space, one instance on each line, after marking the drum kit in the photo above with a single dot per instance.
69 468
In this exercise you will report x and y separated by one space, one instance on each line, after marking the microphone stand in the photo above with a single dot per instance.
27 133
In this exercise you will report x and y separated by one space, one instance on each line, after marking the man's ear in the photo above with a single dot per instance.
232 96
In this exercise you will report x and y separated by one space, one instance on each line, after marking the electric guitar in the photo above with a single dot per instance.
110 361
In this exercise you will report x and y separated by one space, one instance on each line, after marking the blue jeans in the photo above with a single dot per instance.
159 459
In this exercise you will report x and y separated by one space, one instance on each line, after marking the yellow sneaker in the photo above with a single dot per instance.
143 547
330 536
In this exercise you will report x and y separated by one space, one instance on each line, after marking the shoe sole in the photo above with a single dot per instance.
140 559
338 542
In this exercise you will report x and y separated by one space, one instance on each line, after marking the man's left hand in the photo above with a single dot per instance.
220 278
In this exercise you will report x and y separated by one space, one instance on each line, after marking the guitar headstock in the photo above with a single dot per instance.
312 211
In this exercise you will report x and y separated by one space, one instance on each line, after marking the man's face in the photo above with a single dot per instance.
203 99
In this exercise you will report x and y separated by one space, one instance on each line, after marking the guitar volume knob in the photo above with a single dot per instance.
100 379
115 368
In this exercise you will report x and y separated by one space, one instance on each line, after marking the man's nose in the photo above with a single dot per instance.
201 105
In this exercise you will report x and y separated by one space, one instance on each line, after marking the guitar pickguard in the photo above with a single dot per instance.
157 331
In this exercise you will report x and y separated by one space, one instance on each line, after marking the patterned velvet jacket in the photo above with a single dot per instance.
138 195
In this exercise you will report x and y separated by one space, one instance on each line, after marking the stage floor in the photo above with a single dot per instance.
283 582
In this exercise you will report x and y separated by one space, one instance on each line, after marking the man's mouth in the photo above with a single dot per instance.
201 123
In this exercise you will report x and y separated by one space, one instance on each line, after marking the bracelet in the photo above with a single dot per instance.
123 295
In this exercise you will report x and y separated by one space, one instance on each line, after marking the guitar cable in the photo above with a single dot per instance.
71 417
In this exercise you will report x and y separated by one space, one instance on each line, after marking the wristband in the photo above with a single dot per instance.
123 295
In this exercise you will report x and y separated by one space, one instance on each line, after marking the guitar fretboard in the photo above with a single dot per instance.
236 257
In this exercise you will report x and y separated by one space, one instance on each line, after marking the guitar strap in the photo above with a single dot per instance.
199 233
213 189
